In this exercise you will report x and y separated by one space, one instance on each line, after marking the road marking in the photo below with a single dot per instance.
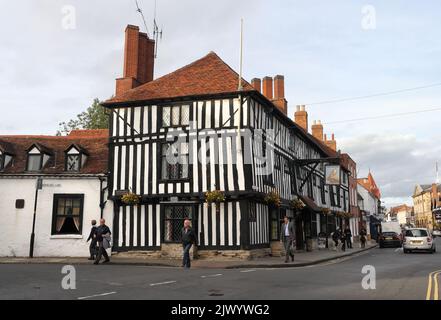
212 275
246 271
398 249
433 283
161 283
97 295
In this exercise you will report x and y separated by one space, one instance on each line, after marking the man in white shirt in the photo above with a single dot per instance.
287 238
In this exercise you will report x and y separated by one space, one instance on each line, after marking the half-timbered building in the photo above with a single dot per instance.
200 129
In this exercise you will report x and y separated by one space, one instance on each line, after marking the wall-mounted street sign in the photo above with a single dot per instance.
332 174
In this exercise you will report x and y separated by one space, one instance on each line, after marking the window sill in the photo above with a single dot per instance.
67 236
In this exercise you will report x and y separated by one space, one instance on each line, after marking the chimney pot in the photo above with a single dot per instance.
317 130
301 117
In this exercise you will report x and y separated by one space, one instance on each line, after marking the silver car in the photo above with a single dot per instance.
436 233
416 239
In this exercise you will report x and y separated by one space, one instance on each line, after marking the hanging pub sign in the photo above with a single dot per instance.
437 214
332 174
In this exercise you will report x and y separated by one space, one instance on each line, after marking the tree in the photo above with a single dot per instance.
95 117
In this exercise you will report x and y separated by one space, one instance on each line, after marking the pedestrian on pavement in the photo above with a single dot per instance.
335 237
188 240
103 238
92 239
287 238
363 237
343 241
348 234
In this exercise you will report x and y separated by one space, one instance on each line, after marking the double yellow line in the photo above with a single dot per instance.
433 282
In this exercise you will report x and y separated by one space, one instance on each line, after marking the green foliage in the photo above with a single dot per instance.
215 196
130 198
95 117
272 198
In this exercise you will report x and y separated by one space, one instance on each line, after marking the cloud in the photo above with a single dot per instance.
398 162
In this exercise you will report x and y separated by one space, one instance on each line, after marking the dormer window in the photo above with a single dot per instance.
6 154
38 157
75 158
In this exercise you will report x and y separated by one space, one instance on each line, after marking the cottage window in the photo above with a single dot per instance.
67 214
5 159
175 116
35 162
73 162
174 217
174 161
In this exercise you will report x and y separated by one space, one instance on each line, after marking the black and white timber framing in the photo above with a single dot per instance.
244 221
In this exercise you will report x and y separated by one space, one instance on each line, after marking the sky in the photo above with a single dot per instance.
56 56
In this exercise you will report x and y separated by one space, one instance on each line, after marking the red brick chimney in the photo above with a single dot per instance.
317 130
279 94
301 117
257 84
139 59
267 89
331 143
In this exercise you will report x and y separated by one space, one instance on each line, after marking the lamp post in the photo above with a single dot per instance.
38 186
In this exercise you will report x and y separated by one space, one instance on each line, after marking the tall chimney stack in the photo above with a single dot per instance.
139 59
257 84
331 143
267 89
279 94
301 117
317 130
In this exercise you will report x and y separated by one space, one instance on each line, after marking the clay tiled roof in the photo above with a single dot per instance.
370 185
94 141
206 76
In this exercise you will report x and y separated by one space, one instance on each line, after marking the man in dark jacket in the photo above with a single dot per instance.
188 239
103 238
92 236
287 237
348 235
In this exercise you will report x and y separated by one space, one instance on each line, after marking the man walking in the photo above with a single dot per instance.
363 237
92 239
103 238
348 234
188 239
287 238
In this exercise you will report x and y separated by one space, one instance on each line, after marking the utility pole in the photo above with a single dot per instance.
38 186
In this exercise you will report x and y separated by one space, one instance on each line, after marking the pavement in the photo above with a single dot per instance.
392 275
301 259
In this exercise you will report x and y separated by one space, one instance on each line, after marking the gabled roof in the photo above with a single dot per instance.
370 185
95 142
42 148
6 147
206 76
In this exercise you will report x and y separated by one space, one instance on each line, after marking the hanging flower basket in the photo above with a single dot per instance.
130 199
297 204
326 211
215 196
273 199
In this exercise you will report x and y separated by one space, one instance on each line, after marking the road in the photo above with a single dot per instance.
398 276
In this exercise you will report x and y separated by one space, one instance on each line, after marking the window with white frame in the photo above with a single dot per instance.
36 160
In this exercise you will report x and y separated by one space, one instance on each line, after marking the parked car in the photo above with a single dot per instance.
418 239
389 239
436 233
